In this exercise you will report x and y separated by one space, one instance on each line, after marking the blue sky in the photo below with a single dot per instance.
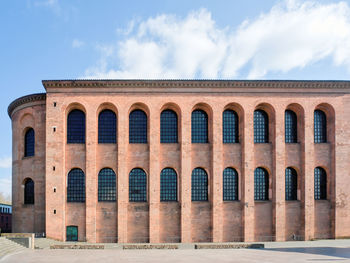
224 39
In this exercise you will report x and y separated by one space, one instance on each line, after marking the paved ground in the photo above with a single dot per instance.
316 251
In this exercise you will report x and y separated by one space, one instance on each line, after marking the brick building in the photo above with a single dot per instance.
5 218
182 161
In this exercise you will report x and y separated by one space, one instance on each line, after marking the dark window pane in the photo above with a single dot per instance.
137 185
320 184
168 185
291 184
320 126
76 186
168 127
199 122
199 185
29 191
261 127
29 143
107 127
230 126
261 184
230 184
76 127
290 119
107 185
137 127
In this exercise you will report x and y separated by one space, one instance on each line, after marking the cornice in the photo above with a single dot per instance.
278 84
25 99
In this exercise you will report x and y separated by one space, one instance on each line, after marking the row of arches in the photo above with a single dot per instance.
199 127
107 182
107 127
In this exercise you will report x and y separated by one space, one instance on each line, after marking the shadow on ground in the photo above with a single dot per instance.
325 251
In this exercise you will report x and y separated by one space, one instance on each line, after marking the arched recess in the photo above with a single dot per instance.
329 111
209 112
29 191
76 127
300 115
107 126
134 109
238 109
176 109
270 112
29 142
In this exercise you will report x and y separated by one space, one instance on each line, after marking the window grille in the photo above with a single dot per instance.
261 127
230 126
137 185
291 184
137 127
230 184
168 185
320 127
29 192
76 127
199 189
290 119
76 186
107 127
261 184
320 184
168 127
29 143
107 185
199 121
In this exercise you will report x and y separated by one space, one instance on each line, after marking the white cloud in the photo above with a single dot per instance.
5 162
5 187
293 34
76 43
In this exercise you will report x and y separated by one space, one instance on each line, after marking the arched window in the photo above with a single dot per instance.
290 124
29 191
137 185
261 127
320 126
168 185
76 127
76 186
107 127
291 184
29 143
229 126
199 122
230 184
261 184
199 185
137 127
106 185
168 127
320 184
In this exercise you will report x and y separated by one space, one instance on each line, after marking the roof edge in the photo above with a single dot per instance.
25 99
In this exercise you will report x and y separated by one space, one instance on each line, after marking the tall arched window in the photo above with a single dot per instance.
168 127
261 184
320 184
29 143
168 185
261 127
229 126
107 127
29 191
199 128
199 185
320 126
291 184
76 186
290 123
107 185
137 185
230 184
76 127
137 127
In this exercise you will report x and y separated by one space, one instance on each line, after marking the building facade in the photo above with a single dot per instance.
5 218
182 161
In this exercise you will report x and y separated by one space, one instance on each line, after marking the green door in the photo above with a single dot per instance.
72 233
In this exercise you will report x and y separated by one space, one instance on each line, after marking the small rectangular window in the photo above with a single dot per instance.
54 104
54 211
